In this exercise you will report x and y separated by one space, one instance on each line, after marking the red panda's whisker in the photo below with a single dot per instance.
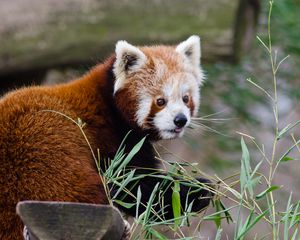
193 133
204 127
216 120
214 114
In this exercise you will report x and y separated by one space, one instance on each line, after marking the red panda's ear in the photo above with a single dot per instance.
191 49
128 59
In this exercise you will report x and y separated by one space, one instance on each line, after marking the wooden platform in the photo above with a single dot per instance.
77 221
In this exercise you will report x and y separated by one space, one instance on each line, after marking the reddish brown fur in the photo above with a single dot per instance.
191 105
43 155
148 80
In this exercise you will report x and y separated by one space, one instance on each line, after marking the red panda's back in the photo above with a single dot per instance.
43 156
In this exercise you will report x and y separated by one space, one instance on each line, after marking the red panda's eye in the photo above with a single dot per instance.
185 99
160 102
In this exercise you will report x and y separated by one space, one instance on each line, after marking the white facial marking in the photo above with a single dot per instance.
194 93
124 49
174 90
144 108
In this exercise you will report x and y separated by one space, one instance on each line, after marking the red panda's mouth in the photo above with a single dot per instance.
172 133
176 130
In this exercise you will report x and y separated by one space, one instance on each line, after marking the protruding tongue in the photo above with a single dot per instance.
178 129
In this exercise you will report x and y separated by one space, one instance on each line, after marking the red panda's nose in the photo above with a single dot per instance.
180 120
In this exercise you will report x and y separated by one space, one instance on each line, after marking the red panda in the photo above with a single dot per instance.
153 91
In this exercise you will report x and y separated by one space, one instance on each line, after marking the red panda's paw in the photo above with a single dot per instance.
192 197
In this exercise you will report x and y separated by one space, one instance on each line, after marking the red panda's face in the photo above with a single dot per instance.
157 88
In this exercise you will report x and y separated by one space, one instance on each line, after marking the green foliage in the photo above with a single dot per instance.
222 212
176 204
288 220
245 175
286 129
263 193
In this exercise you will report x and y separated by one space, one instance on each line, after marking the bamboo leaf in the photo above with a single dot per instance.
176 205
256 169
165 177
122 143
253 182
288 151
150 203
283 132
157 234
216 214
263 193
124 204
296 216
110 172
250 225
245 169
130 155
219 234
287 158
245 225
295 234
124 183
227 214
138 201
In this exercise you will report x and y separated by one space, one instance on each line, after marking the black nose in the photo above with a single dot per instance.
180 120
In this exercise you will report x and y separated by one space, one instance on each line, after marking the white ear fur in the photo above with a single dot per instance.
128 59
191 49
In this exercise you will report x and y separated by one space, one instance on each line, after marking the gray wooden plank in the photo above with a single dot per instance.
61 220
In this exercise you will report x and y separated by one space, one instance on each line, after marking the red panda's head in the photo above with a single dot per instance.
157 87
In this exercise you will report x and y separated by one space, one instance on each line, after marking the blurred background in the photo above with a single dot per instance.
52 41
